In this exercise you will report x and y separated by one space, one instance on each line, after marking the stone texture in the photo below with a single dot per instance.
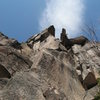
64 39
12 61
68 43
4 72
46 68
25 49
87 63
3 83
41 36
79 40
58 75
5 41
90 81
23 86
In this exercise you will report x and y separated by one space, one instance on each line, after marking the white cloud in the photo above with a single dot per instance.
63 14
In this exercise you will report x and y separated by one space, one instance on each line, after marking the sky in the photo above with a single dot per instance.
21 19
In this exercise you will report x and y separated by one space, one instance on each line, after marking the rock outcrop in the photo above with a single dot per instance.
41 36
64 39
46 68
68 43
5 41
79 40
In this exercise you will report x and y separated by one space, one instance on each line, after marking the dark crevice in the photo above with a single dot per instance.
4 72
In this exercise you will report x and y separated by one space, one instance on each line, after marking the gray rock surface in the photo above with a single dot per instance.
5 41
45 68
12 61
87 62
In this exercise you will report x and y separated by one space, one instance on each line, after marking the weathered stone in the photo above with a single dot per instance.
57 73
25 49
23 86
87 64
93 91
68 43
79 40
12 61
3 83
41 36
90 81
64 39
51 30
5 41
53 94
4 72
47 68
76 49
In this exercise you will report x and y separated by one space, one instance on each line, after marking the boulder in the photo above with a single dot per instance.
90 81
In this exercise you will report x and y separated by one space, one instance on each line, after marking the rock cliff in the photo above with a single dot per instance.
46 68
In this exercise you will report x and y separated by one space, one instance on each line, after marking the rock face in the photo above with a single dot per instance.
46 68
5 41
64 39
36 39
13 61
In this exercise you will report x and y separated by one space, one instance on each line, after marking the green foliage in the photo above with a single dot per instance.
98 80
97 97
